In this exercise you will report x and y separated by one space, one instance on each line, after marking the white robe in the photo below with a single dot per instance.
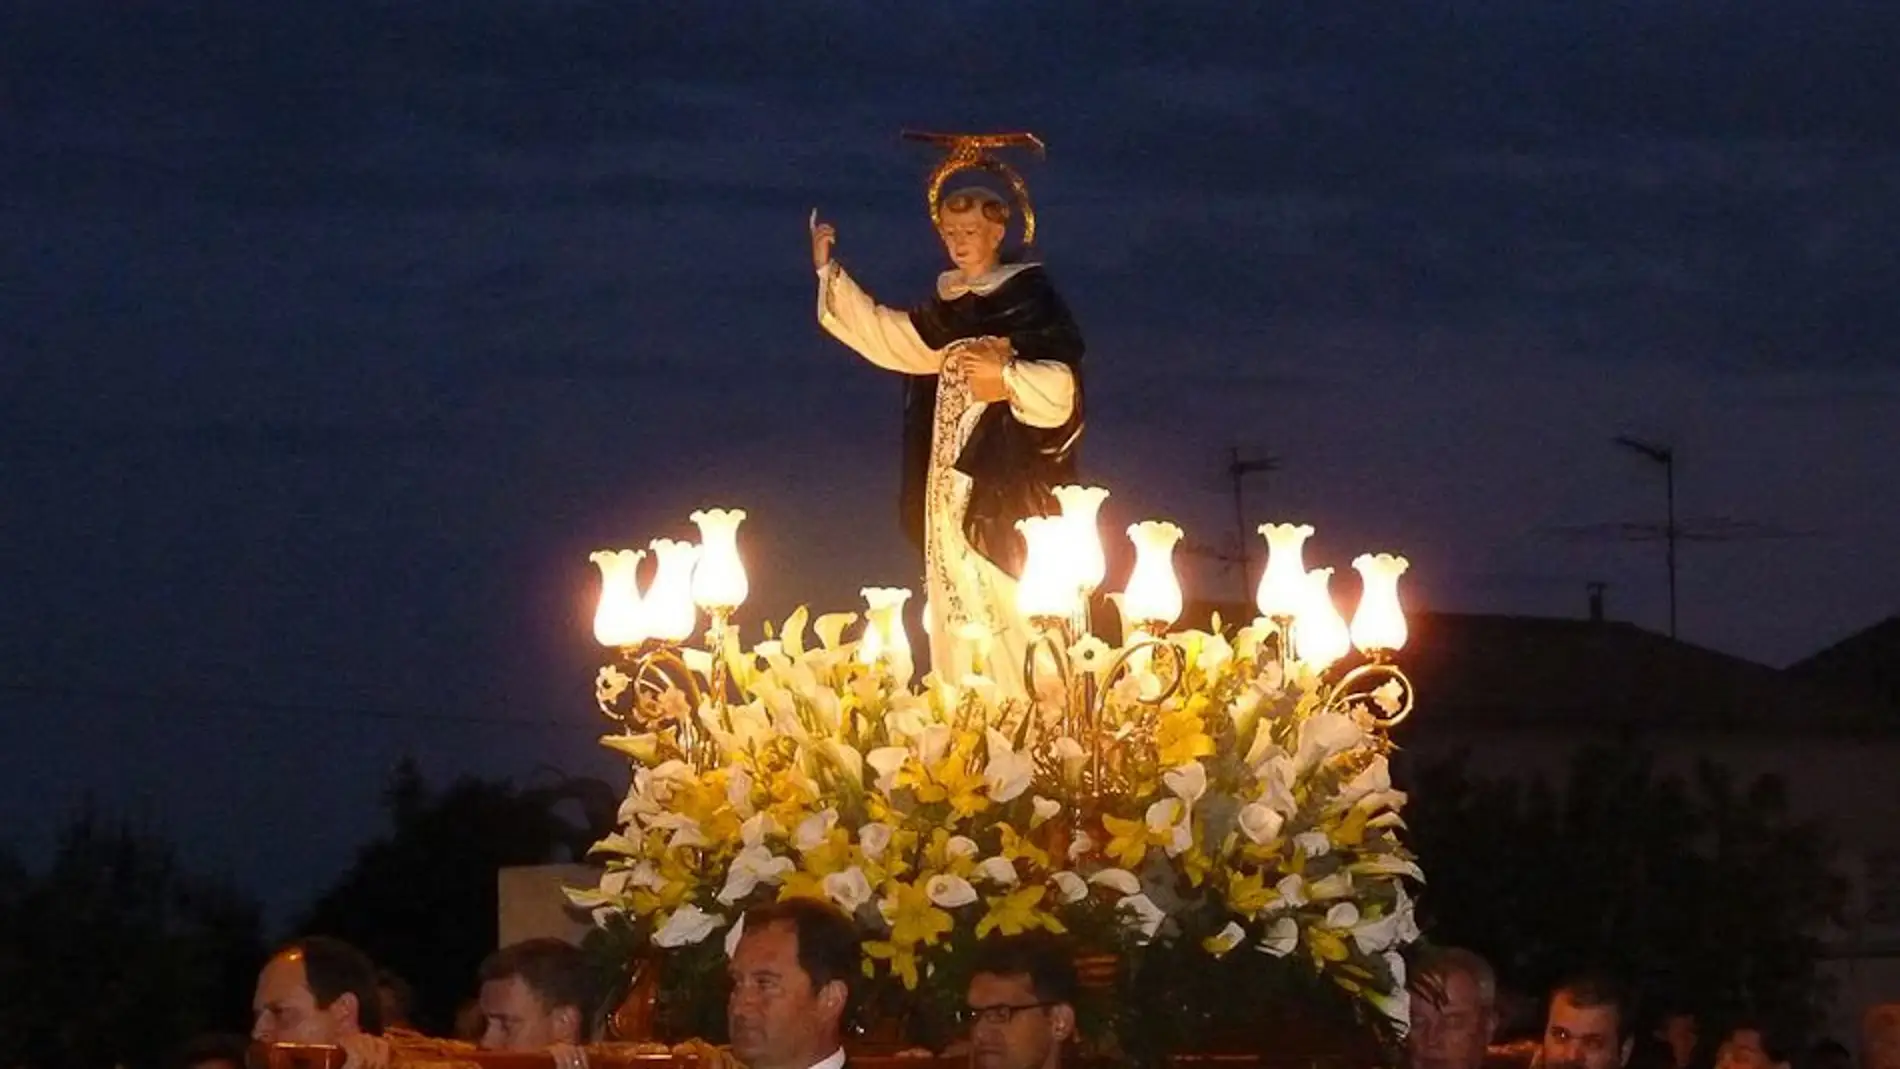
970 603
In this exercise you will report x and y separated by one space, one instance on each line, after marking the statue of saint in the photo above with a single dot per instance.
992 416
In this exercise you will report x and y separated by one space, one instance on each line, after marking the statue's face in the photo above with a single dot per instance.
971 238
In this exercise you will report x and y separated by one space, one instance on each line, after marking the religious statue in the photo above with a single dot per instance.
992 404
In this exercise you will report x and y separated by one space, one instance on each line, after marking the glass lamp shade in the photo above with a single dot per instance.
619 619
1283 584
1379 624
1048 586
1319 632
719 580
669 601
1081 505
1154 594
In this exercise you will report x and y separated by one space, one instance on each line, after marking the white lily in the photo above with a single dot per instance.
733 934
686 926
1008 773
1117 880
1171 815
959 846
1342 916
1326 735
749 868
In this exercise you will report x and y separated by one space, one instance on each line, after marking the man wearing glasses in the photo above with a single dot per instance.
1021 1004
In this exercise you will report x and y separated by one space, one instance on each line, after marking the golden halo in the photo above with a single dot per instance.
970 152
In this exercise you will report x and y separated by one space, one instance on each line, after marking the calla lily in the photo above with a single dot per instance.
1009 773
1326 735
1224 940
733 935
1282 937
1313 843
849 889
1070 887
1342 916
814 830
887 760
949 892
1117 880
1043 810
1141 914
997 870
1260 824
873 838
1188 781
1337 885
752 866
686 926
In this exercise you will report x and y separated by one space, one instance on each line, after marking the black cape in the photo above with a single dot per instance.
1012 466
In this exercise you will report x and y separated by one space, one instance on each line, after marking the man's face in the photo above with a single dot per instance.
1744 1049
1453 1032
778 1020
1583 1037
1679 1031
287 1011
515 1018
971 238
1032 1036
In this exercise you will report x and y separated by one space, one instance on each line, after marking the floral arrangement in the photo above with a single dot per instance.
1253 824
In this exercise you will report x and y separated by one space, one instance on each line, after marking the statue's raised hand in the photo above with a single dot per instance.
823 237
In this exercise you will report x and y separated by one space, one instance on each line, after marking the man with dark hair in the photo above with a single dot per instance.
1454 1010
321 990
534 996
397 998
791 985
1589 1024
1021 1002
1752 1045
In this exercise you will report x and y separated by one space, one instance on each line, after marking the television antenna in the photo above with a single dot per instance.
1671 532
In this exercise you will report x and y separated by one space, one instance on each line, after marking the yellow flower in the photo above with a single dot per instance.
941 856
802 884
1017 848
1248 893
1016 913
956 778
1326 945
1127 842
1180 737
903 961
1194 864
912 916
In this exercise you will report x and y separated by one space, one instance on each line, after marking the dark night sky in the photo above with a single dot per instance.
334 335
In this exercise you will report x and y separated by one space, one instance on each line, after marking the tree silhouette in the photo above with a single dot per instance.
115 955
422 900
1704 891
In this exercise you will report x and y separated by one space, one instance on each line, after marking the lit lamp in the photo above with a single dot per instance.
618 620
884 636
1319 632
1283 584
1378 627
669 601
719 582
1153 598
1081 505
1048 592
